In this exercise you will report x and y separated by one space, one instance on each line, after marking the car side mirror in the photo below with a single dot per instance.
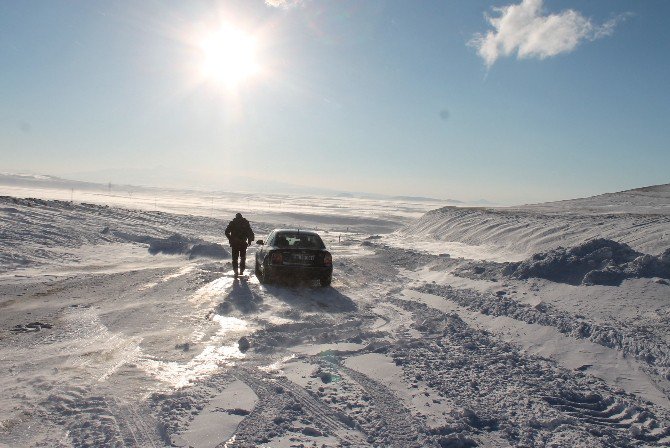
260 242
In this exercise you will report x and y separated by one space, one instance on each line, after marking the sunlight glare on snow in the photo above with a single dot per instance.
278 320
147 286
219 351
229 324
212 290
183 271
179 375
277 365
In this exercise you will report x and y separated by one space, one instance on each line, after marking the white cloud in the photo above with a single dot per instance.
284 4
524 30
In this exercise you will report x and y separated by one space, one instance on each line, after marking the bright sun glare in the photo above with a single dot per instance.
229 56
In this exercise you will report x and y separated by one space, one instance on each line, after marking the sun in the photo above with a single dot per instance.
229 56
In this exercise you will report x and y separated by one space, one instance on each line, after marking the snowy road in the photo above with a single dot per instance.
121 348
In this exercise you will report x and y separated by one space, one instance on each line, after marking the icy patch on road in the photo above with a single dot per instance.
183 271
277 365
180 375
212 290
393 319
148 286
221 349
230 324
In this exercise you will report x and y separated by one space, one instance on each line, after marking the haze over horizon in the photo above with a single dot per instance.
512 101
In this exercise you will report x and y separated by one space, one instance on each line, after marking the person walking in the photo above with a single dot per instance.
240 236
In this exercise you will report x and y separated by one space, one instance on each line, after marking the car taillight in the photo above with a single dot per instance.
277 258
327 259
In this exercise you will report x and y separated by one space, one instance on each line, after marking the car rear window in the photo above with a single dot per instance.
298 240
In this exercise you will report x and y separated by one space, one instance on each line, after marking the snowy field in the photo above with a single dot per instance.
121 323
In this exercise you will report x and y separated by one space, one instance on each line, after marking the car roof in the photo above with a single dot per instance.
306 232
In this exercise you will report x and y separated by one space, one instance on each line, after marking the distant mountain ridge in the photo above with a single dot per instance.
425 199
247 185
41 180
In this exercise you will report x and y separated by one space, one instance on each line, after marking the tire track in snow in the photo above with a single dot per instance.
279 401
525 399
608 411
139 429
88 418
641 346
400 428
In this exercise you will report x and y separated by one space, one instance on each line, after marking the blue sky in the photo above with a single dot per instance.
506 100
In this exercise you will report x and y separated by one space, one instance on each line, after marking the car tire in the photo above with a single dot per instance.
264 276
325 281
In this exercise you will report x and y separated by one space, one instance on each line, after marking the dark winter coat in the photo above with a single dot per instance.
239 233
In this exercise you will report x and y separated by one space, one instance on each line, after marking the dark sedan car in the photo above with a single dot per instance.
291 254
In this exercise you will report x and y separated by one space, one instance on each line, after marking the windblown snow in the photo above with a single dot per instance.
639 218
121 322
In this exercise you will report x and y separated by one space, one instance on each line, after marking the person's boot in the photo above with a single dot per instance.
235 271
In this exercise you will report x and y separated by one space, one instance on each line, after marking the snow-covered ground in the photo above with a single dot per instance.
121 323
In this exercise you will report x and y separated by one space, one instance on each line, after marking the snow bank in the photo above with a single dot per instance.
173 245
639 218
208 250
596 262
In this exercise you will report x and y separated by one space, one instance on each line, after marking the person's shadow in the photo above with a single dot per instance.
241 298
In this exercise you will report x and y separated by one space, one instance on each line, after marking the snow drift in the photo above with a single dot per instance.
596 262
36 231
639 218
177 244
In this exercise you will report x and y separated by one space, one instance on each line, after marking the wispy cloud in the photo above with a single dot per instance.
523 29
284 4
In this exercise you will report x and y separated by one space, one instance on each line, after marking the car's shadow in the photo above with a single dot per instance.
306 297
